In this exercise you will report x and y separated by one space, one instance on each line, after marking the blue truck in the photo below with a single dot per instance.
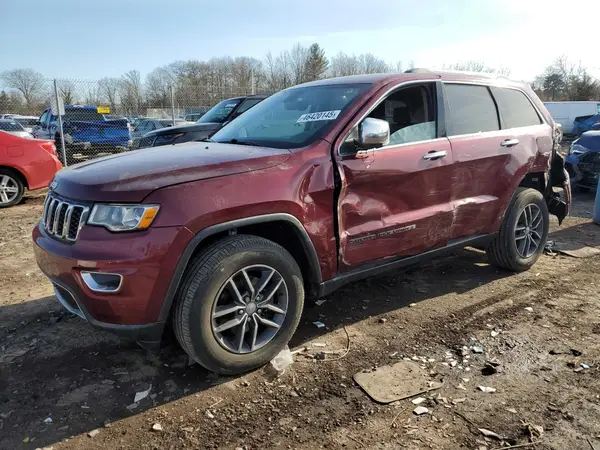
87 132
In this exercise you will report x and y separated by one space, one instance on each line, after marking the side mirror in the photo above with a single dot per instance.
373 133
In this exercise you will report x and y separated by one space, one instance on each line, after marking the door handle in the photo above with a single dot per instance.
509 142
435 155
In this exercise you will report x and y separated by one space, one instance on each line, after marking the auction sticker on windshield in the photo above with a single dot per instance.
323 115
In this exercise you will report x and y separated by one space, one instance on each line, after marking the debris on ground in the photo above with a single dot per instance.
320 302
418 400
402 380
48 420
209 414
486 389
319 324
93 433
139 396
157 427
420 410
528 309
490 434
282 361
383 320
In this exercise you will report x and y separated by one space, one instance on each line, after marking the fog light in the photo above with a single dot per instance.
102 282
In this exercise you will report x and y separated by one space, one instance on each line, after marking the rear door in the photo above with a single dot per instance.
395 200
495 134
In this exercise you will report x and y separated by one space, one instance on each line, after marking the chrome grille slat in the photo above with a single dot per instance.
63 219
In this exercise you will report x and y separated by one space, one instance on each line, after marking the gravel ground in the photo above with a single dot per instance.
67 386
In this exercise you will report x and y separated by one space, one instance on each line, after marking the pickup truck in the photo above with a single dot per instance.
87 132
319 185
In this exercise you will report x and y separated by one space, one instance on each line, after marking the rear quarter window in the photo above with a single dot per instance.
471 109
515 108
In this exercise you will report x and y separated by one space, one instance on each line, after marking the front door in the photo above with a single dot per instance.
396 200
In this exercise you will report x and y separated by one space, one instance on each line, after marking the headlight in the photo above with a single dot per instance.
577 149
123 217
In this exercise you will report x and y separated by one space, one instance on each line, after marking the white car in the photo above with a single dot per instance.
28 122
13 127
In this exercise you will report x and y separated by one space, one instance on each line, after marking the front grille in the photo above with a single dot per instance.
63 219
590 162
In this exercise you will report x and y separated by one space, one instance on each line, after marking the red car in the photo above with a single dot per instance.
24 164
316 186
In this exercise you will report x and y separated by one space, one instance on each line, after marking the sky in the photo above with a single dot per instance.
91 39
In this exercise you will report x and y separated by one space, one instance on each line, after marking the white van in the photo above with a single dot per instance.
566 112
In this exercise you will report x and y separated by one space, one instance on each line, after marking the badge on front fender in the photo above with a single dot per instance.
53 185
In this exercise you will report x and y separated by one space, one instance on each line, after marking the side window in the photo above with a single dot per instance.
515 108
411 114
44 118
471 109
247 105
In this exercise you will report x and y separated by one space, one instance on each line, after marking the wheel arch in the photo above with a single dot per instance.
18 173
281 228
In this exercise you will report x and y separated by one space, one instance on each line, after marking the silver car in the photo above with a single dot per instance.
13 127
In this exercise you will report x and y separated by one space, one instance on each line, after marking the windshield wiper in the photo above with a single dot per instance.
241 142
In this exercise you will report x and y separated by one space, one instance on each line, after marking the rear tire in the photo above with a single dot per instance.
12 188
206 292
523 233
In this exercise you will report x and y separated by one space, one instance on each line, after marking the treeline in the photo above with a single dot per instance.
196 83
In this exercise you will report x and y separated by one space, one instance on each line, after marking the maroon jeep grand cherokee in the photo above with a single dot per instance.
316 186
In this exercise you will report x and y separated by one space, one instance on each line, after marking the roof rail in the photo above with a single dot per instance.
450 71
418 70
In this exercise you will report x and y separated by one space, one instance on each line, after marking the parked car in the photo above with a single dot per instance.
317 186
28 122
585 123
583 161
148 125
211 121
7 116
13 127
24 164
86 131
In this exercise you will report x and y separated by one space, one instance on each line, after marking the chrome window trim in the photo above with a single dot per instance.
488 84
495 85
375 105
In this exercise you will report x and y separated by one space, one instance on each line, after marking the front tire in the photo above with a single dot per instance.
239 304
523 233
11 188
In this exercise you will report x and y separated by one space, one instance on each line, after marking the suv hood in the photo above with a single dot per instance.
208 127
129 177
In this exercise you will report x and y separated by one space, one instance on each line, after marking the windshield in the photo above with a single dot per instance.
292 118
220 112
10 126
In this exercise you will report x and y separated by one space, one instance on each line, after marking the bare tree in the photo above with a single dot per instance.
27 81
109 91
131 91
66 89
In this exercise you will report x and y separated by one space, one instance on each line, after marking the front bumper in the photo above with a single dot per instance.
145 260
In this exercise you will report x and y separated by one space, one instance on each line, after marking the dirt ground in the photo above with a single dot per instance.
67 386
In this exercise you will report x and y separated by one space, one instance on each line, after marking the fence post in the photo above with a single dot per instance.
60 125
172 104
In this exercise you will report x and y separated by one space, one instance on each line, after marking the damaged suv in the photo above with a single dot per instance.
318 185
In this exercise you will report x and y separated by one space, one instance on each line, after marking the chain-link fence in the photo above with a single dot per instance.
88 119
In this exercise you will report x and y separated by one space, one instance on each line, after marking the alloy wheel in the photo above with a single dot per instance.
250 309
529 230
9 189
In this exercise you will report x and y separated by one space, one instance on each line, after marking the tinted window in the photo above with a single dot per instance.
83 114
515 108
44 117
248 104
472 109
410 113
